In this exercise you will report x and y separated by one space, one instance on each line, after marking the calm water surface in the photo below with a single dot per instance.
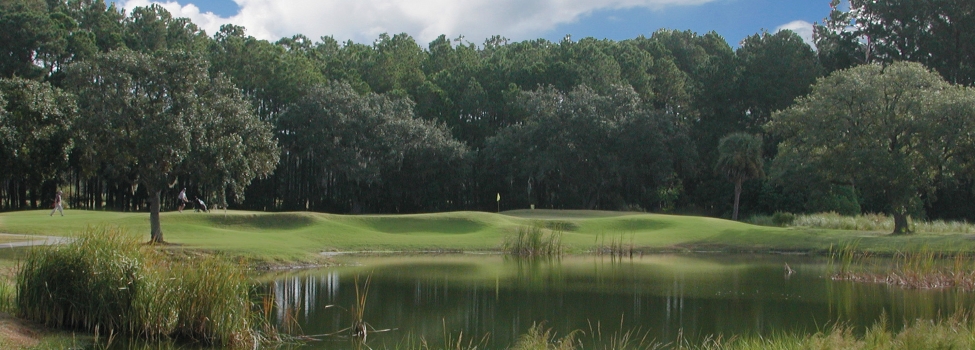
662 296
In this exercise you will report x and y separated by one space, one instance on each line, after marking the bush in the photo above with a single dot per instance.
106 282
89 284
761 220
783 219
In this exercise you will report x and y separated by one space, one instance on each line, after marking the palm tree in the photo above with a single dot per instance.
740 160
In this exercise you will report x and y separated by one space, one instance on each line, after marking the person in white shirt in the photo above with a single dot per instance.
182 199
57 204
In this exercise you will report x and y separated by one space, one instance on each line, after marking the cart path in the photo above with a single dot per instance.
31 240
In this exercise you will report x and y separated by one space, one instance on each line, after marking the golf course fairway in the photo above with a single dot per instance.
301 235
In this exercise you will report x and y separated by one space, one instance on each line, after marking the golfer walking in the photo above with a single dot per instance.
57 205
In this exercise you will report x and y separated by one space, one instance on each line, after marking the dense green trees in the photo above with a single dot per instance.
35 141
937 33
587 150
350 146
118 107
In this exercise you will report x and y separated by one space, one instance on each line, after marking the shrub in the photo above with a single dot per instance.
760 219
783 219
89 284
108 283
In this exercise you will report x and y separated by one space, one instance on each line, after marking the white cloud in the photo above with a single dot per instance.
803 28
363 20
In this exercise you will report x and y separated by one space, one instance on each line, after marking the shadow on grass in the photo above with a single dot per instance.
424 225
266 221
639 224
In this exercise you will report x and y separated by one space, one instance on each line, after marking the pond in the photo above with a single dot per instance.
496 299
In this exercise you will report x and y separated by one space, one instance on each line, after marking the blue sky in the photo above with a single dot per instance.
363 20
732 19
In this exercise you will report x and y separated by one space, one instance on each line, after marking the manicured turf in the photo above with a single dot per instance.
298 235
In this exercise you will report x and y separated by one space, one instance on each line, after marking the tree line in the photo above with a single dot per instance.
122 110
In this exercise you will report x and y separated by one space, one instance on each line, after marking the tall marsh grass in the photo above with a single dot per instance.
618 247
108 283
8 296
956 332
863 222
923 269
534 240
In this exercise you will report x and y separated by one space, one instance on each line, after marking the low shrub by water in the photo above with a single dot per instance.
108 283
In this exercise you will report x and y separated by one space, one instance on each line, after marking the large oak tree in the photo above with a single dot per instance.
152 118
890 131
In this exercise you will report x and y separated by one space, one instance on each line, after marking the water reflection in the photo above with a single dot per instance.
300 293
430 296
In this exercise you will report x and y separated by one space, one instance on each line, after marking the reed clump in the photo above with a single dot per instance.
540 337
923 269
534 240
108 283
618 247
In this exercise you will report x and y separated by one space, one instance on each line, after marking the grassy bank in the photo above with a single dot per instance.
303 235
957 332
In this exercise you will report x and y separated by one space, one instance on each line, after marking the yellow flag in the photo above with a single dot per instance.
499 196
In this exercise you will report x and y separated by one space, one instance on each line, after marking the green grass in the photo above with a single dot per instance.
300 236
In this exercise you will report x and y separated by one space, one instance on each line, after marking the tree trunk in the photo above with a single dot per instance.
22 189
97 190
900 224
734 214
156 235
